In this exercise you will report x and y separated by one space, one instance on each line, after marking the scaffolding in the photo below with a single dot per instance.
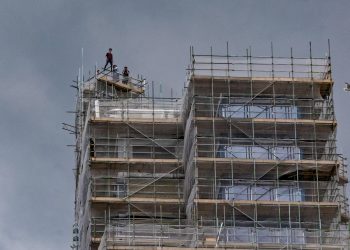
246 159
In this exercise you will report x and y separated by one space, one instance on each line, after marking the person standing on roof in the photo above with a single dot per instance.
109 59
125 75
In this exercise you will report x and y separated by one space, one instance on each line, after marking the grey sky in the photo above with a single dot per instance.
40 50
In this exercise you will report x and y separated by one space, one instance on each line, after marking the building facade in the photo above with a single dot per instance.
246 159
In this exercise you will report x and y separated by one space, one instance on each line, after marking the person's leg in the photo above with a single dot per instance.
106 65
111 63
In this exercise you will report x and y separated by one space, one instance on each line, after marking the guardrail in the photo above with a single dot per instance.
222 236
264 148
267 108
250 66
140 108
122 187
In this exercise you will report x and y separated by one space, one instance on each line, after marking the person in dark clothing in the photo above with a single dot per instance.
109 59
126 75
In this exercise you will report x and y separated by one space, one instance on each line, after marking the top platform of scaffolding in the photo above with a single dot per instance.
115 80
260 76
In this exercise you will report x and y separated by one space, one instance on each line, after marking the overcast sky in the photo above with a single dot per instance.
40 53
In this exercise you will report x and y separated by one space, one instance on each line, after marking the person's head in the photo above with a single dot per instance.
110 50
125 67
98 71
114 66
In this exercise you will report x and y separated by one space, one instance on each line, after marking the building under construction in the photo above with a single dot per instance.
245 159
